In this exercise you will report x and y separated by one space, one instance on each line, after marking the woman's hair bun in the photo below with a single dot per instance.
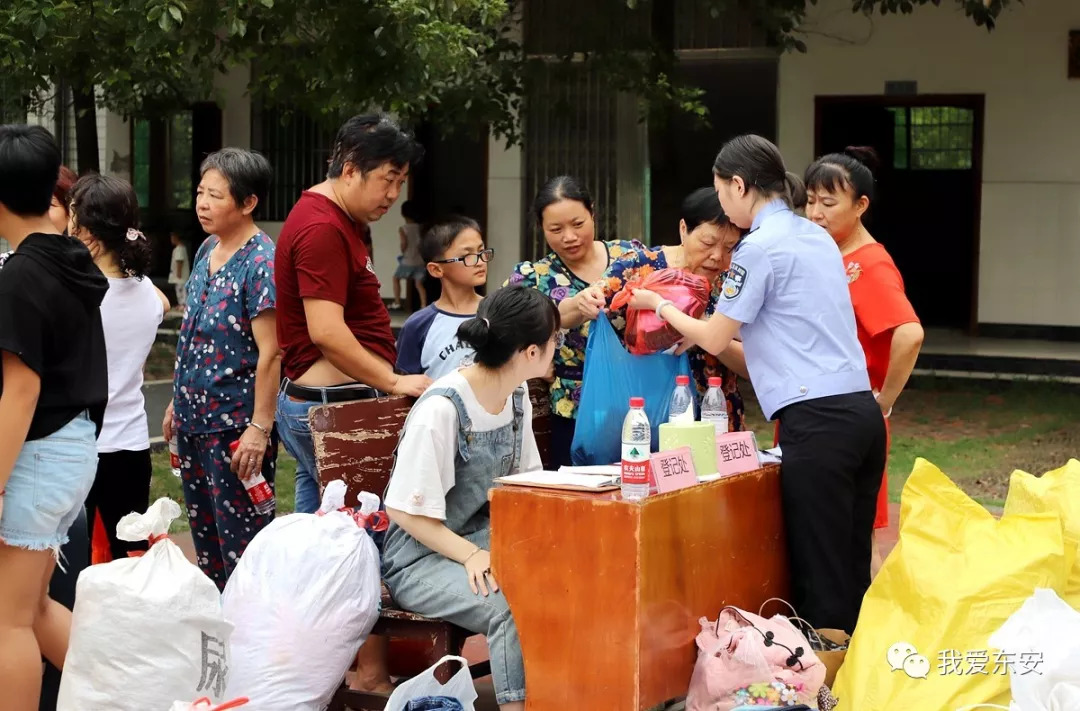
474 332
865 155
509 321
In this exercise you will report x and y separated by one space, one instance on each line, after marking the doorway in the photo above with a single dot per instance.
928 193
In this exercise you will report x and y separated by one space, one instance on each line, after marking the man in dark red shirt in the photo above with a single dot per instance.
333 326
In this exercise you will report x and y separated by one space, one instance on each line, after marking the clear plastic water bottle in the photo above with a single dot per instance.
682 401
258 489
174 456
636 447
714 406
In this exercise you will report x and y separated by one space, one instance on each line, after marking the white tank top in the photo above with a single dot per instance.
130 315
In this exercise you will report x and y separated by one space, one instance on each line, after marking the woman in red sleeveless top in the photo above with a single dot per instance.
840 187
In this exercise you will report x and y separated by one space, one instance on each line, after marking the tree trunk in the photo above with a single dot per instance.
86 129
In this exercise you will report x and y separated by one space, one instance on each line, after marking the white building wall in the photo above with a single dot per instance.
114 136
505 208
1030 225
231 91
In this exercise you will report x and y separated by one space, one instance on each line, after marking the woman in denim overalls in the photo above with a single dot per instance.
470 427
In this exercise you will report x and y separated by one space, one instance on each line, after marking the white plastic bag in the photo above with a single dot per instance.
1047 630
145 631
303 598
459 687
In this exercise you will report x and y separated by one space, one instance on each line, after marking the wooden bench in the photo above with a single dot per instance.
355 442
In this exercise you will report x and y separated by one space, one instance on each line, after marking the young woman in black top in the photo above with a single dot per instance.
53 391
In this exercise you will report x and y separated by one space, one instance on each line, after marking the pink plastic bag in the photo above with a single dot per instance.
645 333
743 656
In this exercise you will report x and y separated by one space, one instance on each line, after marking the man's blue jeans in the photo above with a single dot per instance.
295 433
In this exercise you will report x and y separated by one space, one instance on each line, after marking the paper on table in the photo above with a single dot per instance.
560 478
769 456
609 470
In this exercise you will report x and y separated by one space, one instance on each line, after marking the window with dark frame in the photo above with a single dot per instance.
162 147
140 163
933 138
12 105
298 149
181 194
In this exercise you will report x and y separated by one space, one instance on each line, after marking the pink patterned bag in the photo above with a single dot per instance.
745 659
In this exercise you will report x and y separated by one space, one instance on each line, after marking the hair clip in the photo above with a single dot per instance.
134 234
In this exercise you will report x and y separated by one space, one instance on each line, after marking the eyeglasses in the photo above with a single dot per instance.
471 260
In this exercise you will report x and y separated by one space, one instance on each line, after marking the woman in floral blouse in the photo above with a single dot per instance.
708 239
228 365
564 210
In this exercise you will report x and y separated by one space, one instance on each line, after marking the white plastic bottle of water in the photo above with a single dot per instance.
636 444
714 406
682 401
174 457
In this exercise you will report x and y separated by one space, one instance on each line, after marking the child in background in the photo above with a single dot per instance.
179 269
455 255
410 263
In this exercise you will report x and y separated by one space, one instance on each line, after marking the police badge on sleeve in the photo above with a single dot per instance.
733 284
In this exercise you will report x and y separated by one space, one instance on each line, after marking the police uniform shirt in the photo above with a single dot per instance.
787 287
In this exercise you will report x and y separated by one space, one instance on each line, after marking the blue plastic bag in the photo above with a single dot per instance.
435 703
612 376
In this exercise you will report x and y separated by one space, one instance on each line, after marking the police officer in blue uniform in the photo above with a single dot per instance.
787 294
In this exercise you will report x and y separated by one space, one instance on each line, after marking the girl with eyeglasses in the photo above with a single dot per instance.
455 254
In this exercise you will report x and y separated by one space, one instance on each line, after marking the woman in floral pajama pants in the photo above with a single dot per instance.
227 364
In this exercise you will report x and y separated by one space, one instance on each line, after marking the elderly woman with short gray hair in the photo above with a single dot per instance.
227 364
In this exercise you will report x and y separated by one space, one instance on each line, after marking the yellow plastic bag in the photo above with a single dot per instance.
1056 491
953 579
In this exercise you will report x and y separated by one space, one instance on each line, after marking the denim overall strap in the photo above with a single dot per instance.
448 393
519 415
481 458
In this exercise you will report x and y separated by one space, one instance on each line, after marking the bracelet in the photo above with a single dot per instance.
260 428
469 557
886 414
662 304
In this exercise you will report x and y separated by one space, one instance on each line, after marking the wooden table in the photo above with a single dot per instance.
607 593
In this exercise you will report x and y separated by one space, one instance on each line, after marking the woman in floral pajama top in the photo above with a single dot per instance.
564 211
227 364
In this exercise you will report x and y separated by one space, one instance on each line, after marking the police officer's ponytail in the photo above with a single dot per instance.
759 163
796 190
509 321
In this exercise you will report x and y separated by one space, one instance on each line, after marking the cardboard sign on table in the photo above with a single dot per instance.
736 452
673 470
